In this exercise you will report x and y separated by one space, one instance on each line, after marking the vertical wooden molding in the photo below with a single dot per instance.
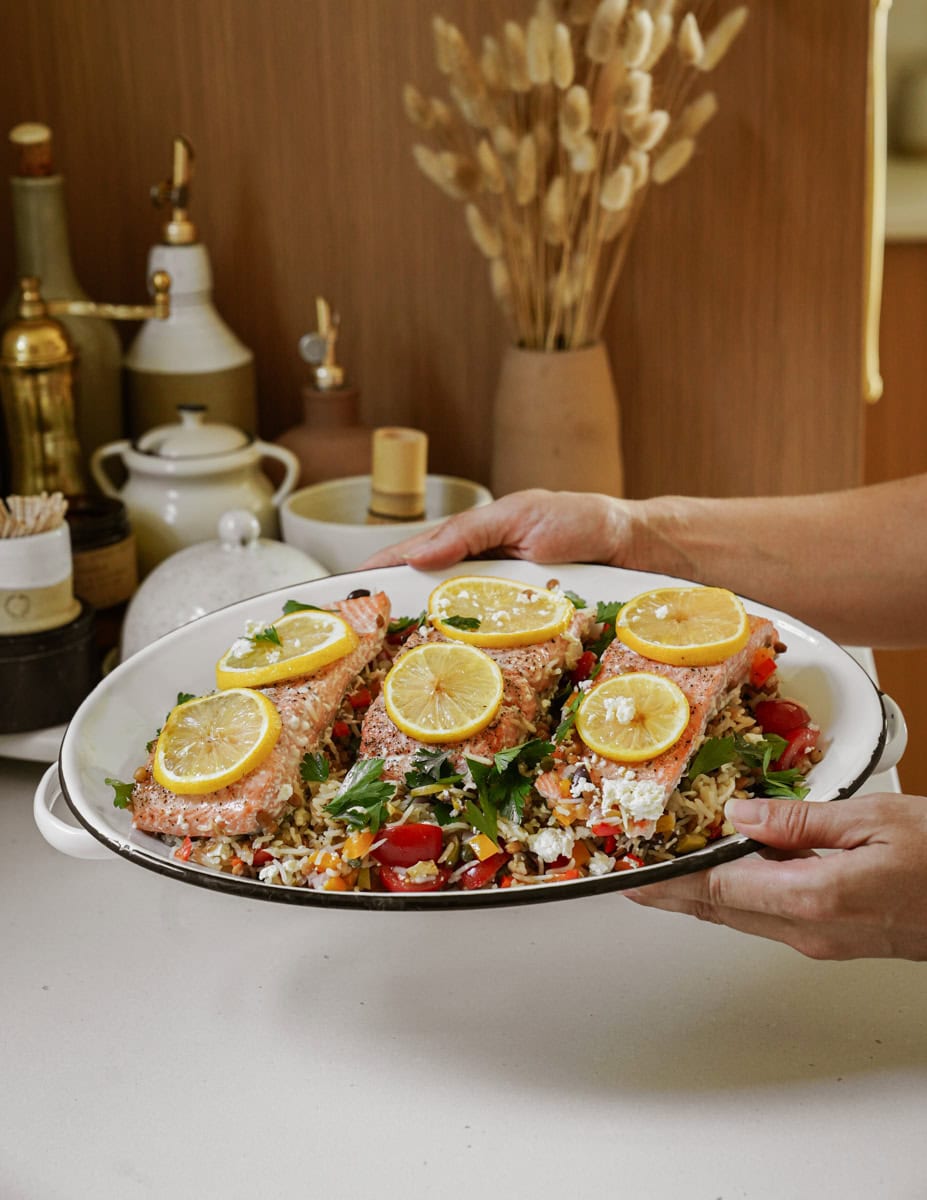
876 153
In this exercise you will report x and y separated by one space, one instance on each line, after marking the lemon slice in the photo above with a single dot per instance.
308 641
443 692
509 613
633 718
684 626
212 741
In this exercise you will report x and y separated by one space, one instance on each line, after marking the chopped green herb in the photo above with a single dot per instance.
444 814
504 785
293 606
576 601
606 613
123 791
266 635
461 622
431 767
401 624
314 768
568 718
715 752
363 796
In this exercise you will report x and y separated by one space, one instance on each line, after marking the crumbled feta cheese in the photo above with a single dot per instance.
600 864
636 799
551 844
581 784
620 709
584 685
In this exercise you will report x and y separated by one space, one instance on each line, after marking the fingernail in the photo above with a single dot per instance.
746 812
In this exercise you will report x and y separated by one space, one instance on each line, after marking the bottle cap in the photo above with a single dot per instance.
400 464
33 149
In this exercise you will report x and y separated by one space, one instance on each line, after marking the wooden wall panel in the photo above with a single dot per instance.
735 338
896 446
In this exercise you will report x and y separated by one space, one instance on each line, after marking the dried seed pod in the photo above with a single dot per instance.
612 224
608 85
689 41
637 39
526 171
484 233
580 12
492 65
563 66
637 90
439 28
662 36
722 36
554 215
539 49
417 108
695 116
490 168
602 35
575 111
442 115
461 174
617 189
504 141
516 57
544 144
429 164
639 162
583 157
501 284
672 160
646 132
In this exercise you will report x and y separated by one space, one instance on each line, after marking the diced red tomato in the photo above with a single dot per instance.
406 845
185 849
798 743
341 729
608 845
558 862
583 668
483 872
262 857
762 666
780 716
394 880
361 698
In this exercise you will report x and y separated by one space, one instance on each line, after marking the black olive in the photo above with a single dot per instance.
357 593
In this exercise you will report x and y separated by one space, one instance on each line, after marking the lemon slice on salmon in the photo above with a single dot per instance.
297 644
684 626
443 692
212 741
485 611
633 718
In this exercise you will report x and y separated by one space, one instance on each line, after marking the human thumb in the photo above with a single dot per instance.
797 825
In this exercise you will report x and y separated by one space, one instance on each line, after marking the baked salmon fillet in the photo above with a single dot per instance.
530 675
635 796
307 707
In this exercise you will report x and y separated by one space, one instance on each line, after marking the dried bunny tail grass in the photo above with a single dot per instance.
544 144
484 233
689 41
439 28
526 171
460 173
554 214
442 114
575 113
501 283
580 12
695 116
492 64
637 39
612 225
646 132
617 189
663 27
673 159
417 108
516 57
539 48
637 91
563 65
505 141
607 87
490 168
602 35
583 156
639 162
721 38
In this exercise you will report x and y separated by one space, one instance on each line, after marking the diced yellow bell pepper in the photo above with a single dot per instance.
483 847
358 844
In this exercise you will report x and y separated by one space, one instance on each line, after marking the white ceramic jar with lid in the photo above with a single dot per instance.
205 577
182 477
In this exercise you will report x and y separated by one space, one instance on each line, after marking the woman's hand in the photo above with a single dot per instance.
542 526
868 901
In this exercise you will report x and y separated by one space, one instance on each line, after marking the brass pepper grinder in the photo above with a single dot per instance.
38 377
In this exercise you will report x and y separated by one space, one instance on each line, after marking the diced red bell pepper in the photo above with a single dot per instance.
762 666
341 729
261 858
583 668
604 829
185 849
360 699
562 876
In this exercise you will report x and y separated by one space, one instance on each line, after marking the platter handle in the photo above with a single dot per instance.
896 735
69 839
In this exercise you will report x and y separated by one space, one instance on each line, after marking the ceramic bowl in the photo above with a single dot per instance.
328 520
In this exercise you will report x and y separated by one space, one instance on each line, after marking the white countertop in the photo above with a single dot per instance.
163 1040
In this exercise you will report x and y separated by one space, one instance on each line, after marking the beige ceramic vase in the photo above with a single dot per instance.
556 423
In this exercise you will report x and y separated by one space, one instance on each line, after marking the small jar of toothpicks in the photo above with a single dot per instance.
551 137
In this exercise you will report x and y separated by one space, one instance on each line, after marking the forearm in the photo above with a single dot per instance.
852 563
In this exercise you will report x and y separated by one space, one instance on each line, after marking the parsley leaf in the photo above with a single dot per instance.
568 718
713 753
293 606
483 813
431 767
363 795
123 792
606 613
401 624
576 601
266 635
314 768
504 785
461 622
444 814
